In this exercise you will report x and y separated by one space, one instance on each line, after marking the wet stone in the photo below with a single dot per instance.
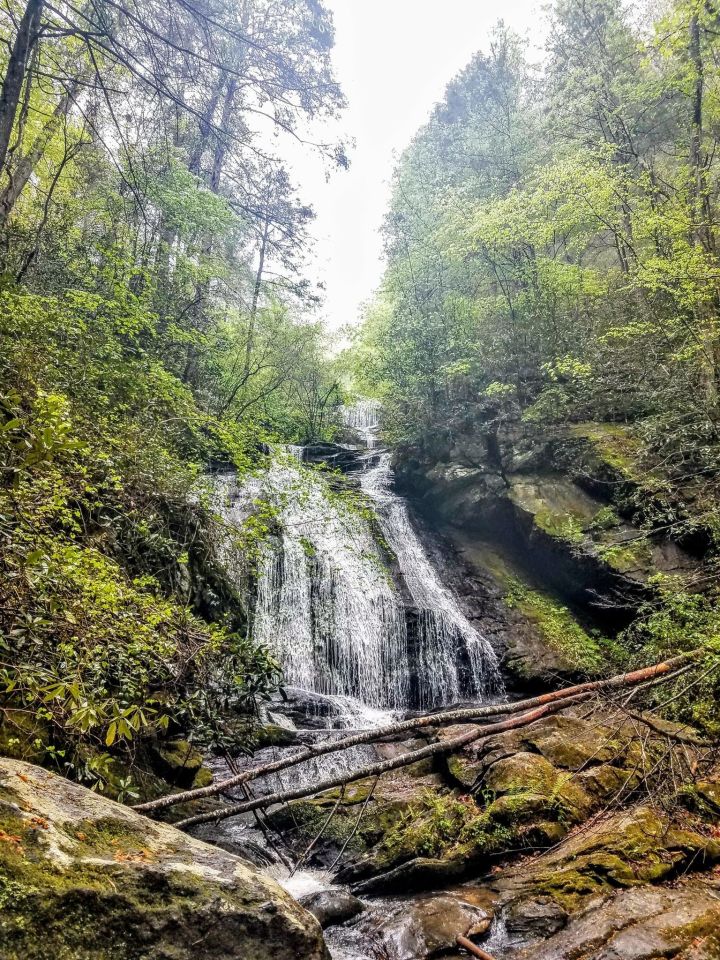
330 907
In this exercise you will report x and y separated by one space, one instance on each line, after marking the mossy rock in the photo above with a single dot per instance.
614 445
635 847
580 651
273 735
84 878
638 923
530 779
465 766
177 761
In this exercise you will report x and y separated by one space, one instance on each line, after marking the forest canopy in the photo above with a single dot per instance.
155 320
552 243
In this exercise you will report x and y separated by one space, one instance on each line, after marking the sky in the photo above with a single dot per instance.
393 59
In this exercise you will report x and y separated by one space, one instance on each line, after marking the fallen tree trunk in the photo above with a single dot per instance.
384 766
437 719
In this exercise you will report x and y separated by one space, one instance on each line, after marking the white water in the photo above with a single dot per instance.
325 605
364 418
446 638
328 609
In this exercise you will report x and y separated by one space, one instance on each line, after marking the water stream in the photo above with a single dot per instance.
364 630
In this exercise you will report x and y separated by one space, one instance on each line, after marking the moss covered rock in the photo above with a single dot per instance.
84 878
635 847
180 763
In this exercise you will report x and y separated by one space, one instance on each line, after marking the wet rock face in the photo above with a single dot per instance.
82 876
546 502
336 455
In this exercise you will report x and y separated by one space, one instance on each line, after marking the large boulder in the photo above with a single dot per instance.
634 848
84 878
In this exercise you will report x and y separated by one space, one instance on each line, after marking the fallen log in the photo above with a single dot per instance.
417 723
384 766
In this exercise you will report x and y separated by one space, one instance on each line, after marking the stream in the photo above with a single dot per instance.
365 630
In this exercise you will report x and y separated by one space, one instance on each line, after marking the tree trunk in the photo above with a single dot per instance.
384 766
19 177
466 714
15 74
255 300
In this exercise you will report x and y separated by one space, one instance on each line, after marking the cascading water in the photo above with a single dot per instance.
325 604
445 635
364 418
328 607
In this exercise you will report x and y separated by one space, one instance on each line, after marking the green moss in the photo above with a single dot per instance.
562 526
272 735
558 626
203 778
104 837
638 848
628 557
614 444
605 519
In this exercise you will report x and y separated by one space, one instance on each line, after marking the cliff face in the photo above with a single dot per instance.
556 529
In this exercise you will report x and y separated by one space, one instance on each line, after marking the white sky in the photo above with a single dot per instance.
393 59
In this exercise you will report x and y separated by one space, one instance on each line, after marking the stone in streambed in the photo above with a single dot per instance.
332 906
428 926
633 848
641 924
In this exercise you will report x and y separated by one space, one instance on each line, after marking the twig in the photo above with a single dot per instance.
321 831
356 825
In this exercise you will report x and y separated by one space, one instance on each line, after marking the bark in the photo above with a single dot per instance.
473 949
19 177
255 299
466 714
15 74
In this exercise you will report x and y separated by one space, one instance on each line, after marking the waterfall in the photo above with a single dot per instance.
364 418
445 635
444 632
325 604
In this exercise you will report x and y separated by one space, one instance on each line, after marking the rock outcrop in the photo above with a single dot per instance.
558 522
645 923
84 878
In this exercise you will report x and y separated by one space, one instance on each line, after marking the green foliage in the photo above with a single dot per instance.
100 454
679 620
559 628
154 323
552 252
